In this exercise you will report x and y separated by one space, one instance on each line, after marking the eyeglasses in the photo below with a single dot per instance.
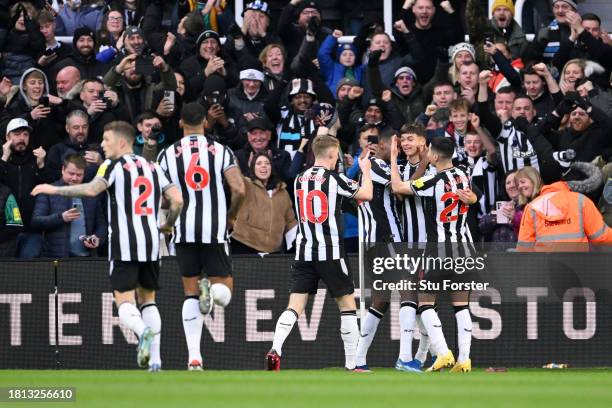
115 19
405 78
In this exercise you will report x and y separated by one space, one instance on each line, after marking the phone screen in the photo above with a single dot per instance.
144 65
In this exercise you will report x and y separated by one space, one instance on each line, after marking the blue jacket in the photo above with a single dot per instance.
69 20
331 70
48 218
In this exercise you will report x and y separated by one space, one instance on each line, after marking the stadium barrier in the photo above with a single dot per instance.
538 308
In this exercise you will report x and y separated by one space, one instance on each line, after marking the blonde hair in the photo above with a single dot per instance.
263 55
532 174
322 143
577 61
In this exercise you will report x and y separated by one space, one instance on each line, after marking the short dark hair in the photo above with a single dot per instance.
443 146
146 115
96 80
76 159
415 129
523 96
506 90
582 81
387 133
193 114
122 129
592 17
443 83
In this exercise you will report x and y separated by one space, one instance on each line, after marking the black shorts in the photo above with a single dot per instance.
336 274
126 276
210 259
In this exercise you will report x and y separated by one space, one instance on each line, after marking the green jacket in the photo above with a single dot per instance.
517 42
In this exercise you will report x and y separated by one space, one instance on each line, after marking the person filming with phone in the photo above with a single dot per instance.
71 226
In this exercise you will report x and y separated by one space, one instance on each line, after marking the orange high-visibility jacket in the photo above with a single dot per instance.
561 215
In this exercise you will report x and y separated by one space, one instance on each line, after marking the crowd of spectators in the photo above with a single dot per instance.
520 113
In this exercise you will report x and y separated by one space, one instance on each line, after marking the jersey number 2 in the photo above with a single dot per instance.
306 207
444 217
139 208
192 170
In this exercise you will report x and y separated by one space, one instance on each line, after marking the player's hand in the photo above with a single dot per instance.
44 189
40 157
166 229
466 195
394 149
71 215
364 162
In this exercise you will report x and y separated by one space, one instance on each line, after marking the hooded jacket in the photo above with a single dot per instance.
45 131
559 215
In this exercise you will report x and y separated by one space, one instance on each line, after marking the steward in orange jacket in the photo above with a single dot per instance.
560 215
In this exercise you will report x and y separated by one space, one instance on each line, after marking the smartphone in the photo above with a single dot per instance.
78 207
49 52
144 65
44 101
501 218
169 95
373 139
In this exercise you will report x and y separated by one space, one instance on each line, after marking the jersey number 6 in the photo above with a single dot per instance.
192 170
307 213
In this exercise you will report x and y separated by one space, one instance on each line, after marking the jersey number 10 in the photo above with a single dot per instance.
306 206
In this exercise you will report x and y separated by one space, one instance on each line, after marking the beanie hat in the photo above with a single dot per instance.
404 70
214 83
252 70
258 5
299 85
308 4
346 81
206 35
570 2
503 3
462 46
83 32
133 30
343 47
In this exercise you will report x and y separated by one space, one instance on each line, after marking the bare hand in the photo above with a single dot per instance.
214 64
40 157
71 215
44 189
165 108
170 40
349 160
303 143
45 60
355 93
93 157
337 34
474 120
5 86
364 162
484 77
6 150
430 110
541 69
126 63
96 106
40 112
508 210
386 95
159 63
400 26
315 62
112 95
503 115
469 95
249 116
466 196
446 5
605 37
92 242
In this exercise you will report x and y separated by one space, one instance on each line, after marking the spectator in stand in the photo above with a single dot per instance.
219 124
273 59
102 106
549 39
595 95
292 32
267 214
541 88
73 227
77 142
21 169
505 27
506 70
246 100
68 82
76 14
459 55
138 92
23 43
468 81
493 231
150 140
346 65
11 223
407 94
84 55
528 183
112 30
41 109
54 51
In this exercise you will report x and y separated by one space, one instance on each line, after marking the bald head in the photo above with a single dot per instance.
66 79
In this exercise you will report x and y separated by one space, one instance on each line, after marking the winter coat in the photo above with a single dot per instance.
408 106
293 35
89 66
20 50
45 131
239 103
559 215
11 223
56 154
263 220
331 70
47 217
281 161
516 40
69 20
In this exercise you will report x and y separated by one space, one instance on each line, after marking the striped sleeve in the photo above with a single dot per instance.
380 172
229 159
346 187
106 172
424 186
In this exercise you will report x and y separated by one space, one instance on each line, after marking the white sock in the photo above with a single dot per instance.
424 343
432 324
220 294
131 317
349 330
284 324
192 325
407 316
369 325
464 332
151 317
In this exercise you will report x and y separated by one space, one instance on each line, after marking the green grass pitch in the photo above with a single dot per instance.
322 388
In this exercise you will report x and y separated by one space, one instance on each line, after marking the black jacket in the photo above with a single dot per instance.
57 153
89 67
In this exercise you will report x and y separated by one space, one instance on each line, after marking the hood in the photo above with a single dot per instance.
552 203
583 177
22 79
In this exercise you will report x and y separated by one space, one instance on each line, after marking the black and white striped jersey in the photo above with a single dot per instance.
318 200
515 149
445 213
381 216
134 187
485 176
196 165
415 229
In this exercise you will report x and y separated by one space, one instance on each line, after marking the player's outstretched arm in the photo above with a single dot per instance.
238 190
175 199
366 191
397 184
91 189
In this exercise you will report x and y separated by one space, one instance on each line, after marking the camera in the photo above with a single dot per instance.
156 132
215 98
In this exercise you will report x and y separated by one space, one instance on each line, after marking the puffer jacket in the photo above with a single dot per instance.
69 20
332 70
20 50
263 220
47 217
